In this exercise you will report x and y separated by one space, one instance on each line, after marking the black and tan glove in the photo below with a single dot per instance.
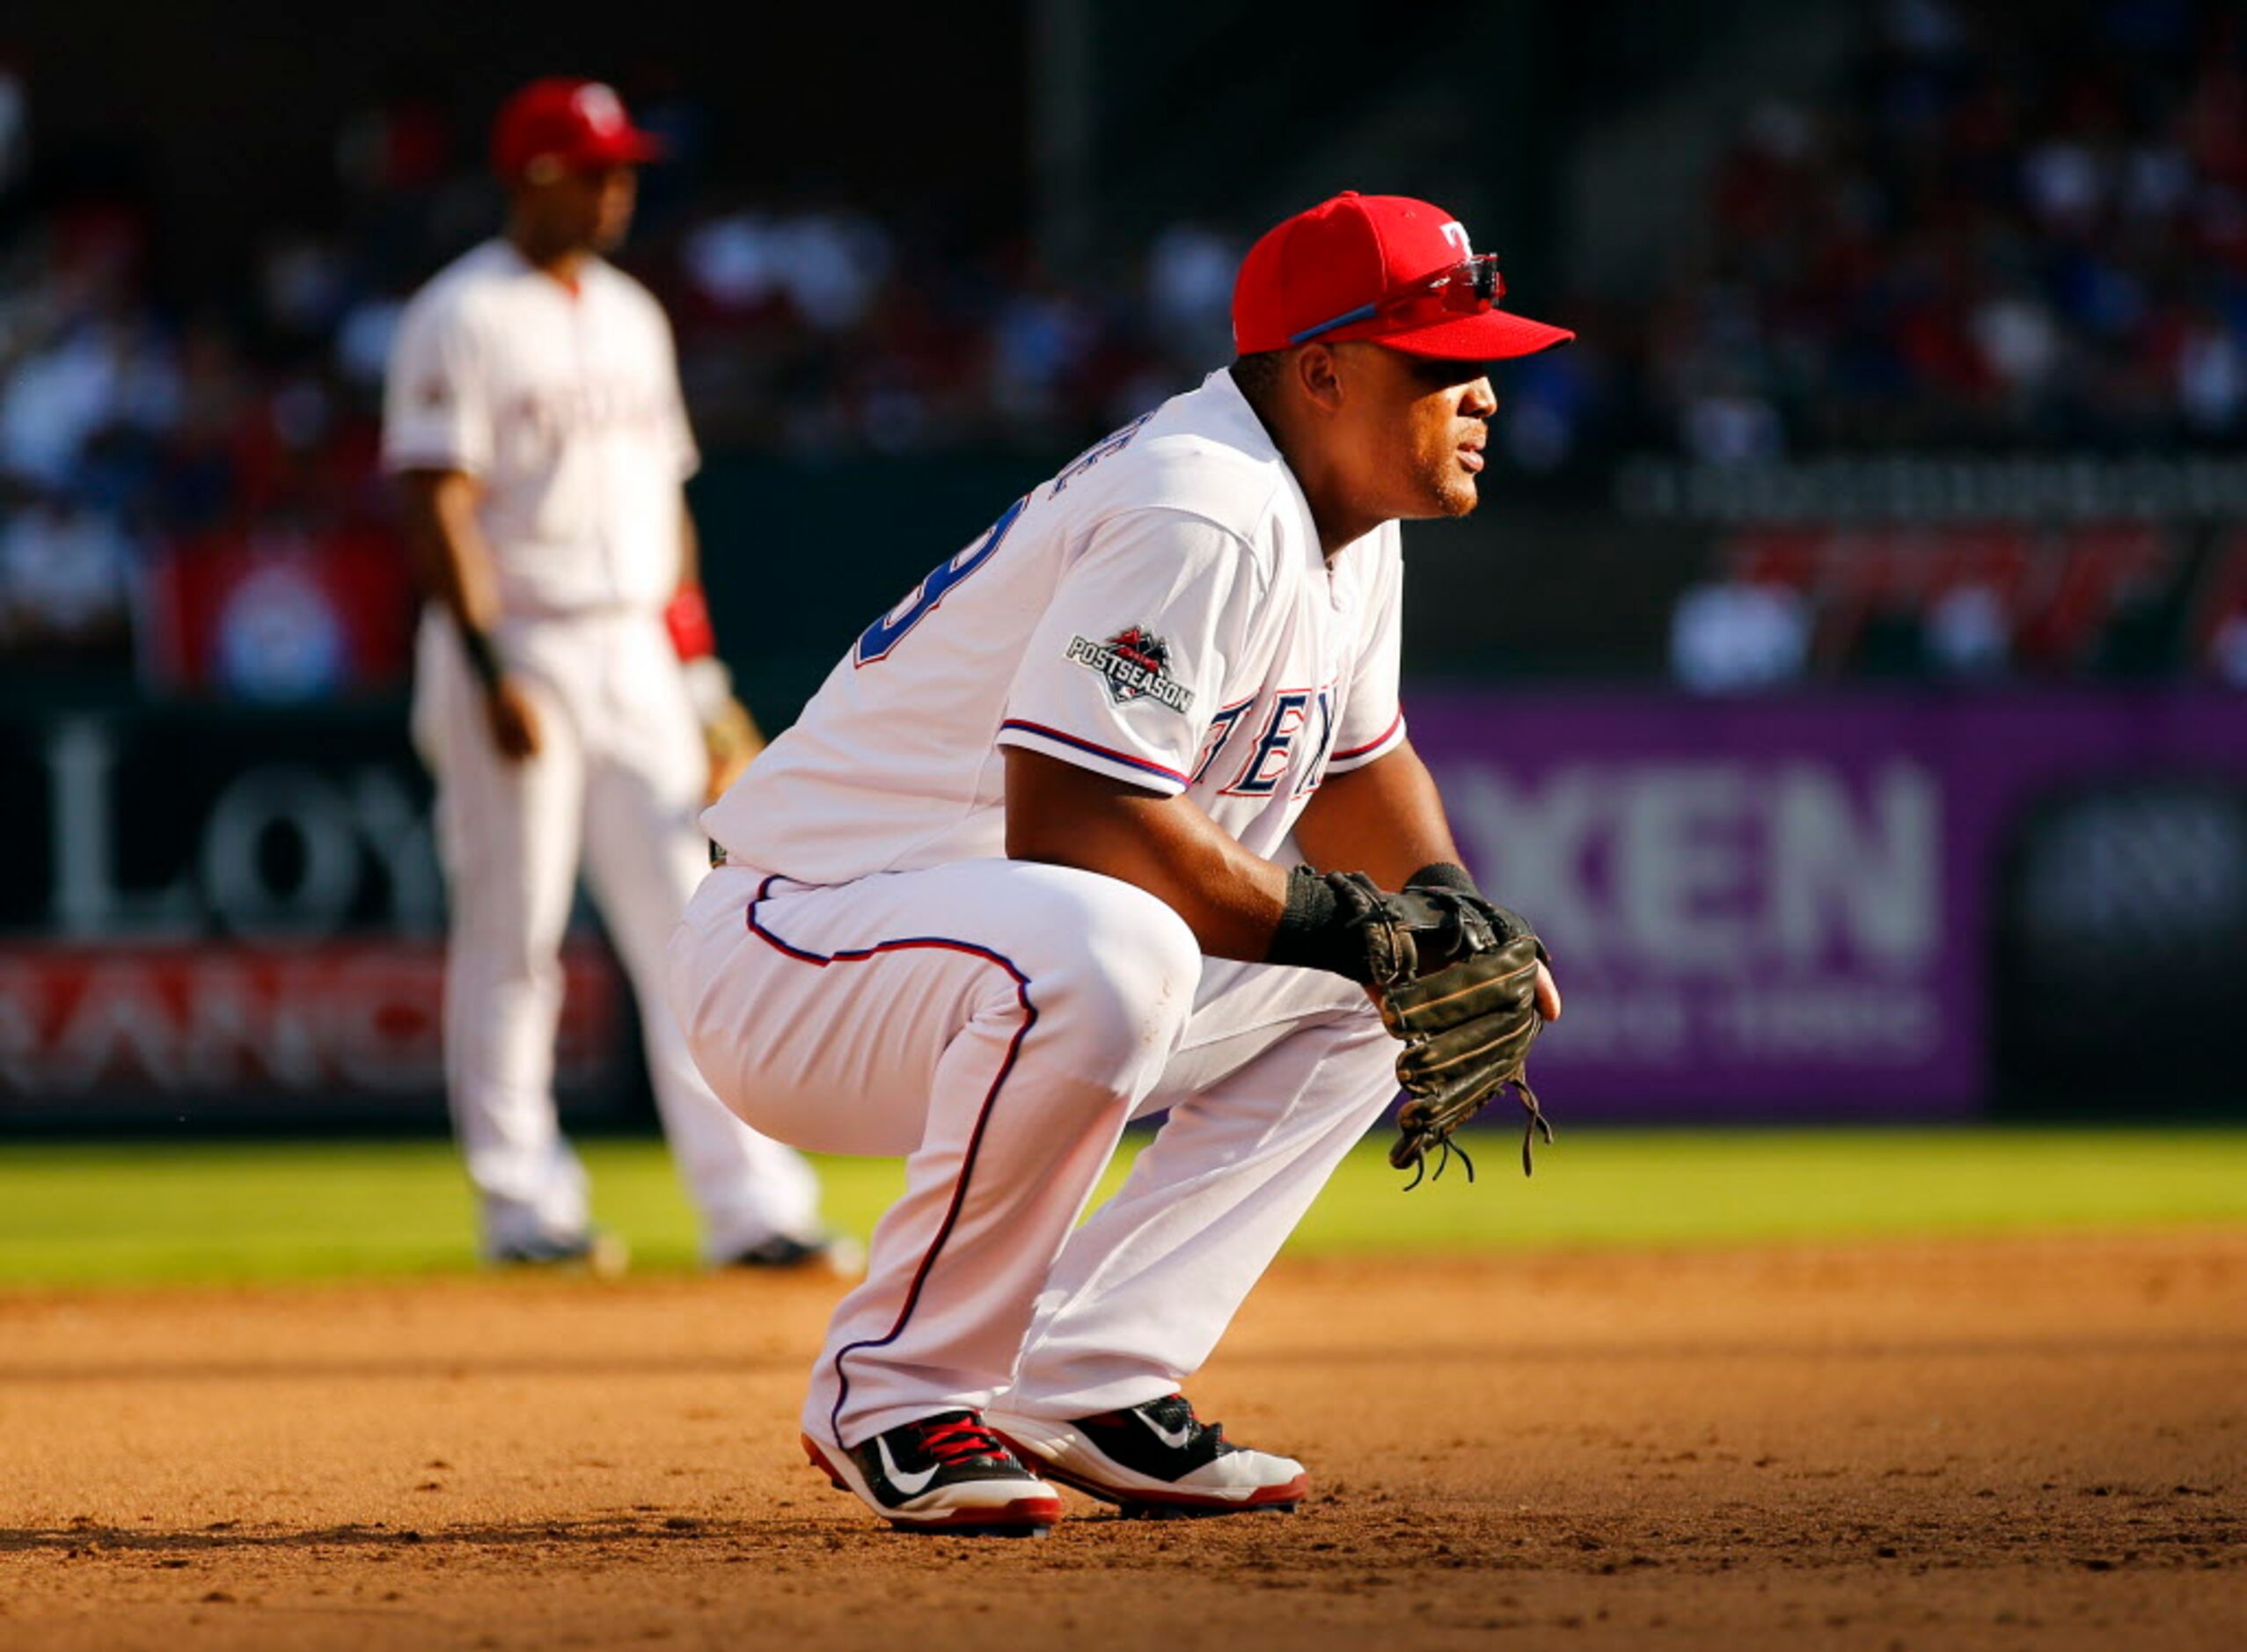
1455 976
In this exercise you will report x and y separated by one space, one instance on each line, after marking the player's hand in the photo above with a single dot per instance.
512 718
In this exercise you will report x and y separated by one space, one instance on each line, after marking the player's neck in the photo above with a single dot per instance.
1338 525
564 261
1340 520
1340 529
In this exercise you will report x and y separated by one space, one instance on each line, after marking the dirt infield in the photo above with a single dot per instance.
2024 1444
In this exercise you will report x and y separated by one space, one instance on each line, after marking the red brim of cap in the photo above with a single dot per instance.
630 148
1495 335
626 149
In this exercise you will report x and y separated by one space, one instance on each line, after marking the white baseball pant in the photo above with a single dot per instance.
618 777
997 1022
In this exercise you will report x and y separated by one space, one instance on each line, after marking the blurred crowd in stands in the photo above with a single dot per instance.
144 450
2009 229
1989 238
1964 603
2012 226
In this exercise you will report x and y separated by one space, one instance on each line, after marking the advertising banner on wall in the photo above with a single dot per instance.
1874 906
1787 908
238 917
300 1036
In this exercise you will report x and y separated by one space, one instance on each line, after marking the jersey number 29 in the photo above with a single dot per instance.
885 633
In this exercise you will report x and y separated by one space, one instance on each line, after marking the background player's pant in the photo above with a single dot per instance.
999 1023
618 778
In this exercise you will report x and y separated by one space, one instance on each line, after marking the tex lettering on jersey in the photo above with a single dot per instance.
1220 731
1281 755
1133 664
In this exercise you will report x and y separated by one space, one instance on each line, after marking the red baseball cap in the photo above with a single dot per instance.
574 125
1386 267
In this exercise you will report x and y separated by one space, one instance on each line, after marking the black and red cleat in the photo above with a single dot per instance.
945 1472
1155 1460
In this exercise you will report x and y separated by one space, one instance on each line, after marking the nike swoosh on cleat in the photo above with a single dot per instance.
1176 1439
912 1485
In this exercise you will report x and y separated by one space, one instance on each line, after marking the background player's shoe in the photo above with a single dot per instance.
1158 1458
837 1254
945 1472
602 1255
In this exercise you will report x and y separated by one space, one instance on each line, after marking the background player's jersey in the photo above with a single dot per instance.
566 405
1158 611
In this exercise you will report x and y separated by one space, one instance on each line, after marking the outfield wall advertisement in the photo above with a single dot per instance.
1792 908
238 919
336 1033
1887 906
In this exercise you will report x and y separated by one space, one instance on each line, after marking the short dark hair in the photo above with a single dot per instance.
1256 376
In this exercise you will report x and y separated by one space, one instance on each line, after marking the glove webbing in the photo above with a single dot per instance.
1534 1127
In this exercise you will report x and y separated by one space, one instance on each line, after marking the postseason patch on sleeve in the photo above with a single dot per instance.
1133 664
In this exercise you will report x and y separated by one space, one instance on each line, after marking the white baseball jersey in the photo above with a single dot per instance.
1160 612
565 403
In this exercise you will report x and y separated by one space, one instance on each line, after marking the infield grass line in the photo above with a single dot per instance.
140 1213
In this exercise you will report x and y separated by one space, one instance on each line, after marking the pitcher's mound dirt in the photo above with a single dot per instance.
2016 1444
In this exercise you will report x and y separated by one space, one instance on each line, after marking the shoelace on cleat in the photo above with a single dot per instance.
961 1439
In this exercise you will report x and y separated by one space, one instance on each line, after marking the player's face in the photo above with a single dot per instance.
1418 428
607 198
590 209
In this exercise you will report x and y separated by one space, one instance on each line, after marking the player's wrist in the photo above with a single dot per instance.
1316 932
687 618
709 682
1446 875
483 656
710 686
1451 876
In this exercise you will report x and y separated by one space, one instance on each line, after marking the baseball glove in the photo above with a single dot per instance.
730 737
729 740
1456 979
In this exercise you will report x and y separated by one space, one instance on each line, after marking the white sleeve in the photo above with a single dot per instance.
437 407
1130 659
1372 723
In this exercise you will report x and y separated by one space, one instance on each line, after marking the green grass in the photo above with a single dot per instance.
134 1214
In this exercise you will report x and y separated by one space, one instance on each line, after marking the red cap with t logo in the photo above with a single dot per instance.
553 126
1385 267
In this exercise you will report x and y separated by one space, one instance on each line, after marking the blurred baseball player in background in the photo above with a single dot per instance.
566 695
1021 873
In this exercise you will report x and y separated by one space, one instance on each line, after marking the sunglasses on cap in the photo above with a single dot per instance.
1466 288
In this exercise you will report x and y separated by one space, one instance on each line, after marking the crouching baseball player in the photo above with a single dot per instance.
1038 861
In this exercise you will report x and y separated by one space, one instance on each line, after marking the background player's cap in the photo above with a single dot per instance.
1386 267
552 127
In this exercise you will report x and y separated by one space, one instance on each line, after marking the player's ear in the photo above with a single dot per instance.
1319 374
